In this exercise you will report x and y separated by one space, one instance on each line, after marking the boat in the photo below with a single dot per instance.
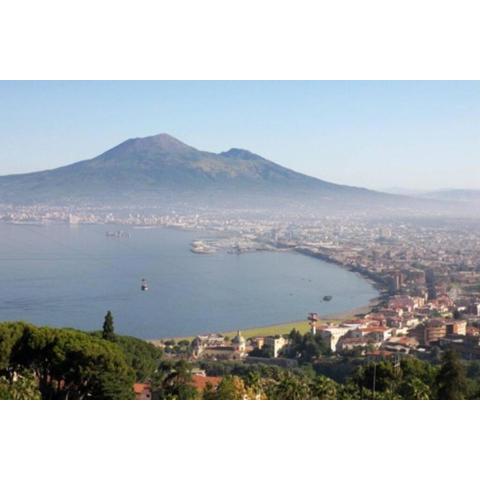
144 286
327 298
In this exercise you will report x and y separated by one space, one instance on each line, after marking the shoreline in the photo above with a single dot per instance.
286 327
302 325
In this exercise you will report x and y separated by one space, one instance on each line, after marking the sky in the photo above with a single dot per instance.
381 135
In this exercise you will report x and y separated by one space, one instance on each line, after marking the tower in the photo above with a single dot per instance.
239 342
312 320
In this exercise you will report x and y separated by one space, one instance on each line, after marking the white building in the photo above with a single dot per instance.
275 344
331 335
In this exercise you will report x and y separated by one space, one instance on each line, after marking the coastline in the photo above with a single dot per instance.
285 328
286 325
302 325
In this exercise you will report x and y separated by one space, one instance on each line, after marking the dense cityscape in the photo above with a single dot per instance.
426 270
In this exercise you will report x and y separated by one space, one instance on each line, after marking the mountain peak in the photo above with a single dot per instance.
241 154
162 140
160 167
162 144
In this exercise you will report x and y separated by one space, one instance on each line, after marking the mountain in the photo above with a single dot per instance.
161 169
456 195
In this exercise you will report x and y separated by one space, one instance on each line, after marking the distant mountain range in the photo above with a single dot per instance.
455 195
160 169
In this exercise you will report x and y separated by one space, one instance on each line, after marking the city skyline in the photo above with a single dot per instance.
381 135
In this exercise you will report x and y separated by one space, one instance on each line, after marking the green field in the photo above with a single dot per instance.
269 330
280 329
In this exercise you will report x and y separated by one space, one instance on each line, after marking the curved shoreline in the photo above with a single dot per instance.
375 280
285 327
302 325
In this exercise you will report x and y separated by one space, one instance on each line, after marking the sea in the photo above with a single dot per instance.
70 275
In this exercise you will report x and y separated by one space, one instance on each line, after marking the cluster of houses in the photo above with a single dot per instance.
406 324
218 347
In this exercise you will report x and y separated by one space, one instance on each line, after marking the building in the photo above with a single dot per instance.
376 334
201 381
400 344
238 343
313 320
331 335
203 342
275 345
430 331
405 303
143 391
465 345
456 327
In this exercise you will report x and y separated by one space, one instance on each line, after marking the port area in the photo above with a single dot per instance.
233 245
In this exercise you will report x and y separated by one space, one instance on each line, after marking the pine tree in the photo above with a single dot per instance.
108 330
451 379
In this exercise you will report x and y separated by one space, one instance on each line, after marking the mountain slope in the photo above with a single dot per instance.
457 195
161 169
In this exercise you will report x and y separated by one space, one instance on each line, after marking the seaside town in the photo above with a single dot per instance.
426 270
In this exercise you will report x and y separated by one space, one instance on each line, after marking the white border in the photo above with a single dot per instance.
248 39
238 440
221 39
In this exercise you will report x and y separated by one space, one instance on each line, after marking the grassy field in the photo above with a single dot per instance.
279 329
269 330
284 328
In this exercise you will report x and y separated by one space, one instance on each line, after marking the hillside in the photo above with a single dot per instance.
160 169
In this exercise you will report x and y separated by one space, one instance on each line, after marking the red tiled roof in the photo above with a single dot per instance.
374 329
200 381
139 388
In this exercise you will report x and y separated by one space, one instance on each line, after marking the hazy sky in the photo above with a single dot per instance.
419 135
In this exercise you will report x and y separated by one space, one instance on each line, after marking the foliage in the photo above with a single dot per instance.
231 388
173 381
289 387
264 352
66 363
23 386
108 329
143 357
324 388
410 379
452 379
306 348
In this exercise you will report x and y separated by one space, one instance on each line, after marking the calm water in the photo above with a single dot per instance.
69 276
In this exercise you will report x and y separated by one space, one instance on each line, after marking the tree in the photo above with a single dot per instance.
231 387
173 381
415 389
24 386
108 329
143 357
67 364
290 387
306 348
324 388
451 379
379 377
264 352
